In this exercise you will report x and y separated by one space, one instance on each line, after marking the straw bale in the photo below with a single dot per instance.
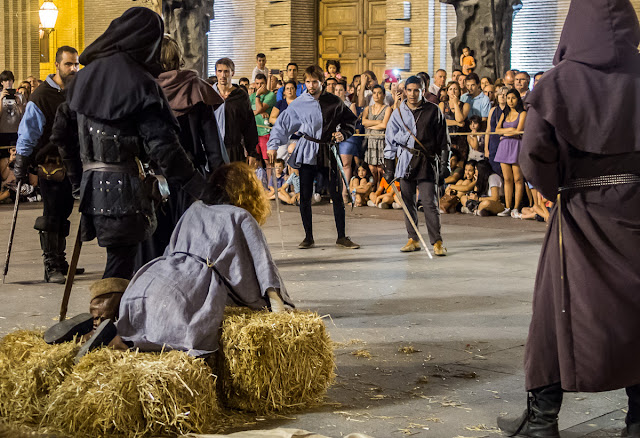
29 370
273 361
134 394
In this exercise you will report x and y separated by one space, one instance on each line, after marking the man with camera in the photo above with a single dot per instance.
417 136
11 109
34 149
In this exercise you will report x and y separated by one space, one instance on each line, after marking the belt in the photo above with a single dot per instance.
314 140
98 166
605 180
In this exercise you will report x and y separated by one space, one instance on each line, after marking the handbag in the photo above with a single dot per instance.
448 201
52 169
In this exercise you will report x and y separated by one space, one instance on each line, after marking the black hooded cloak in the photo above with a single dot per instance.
582 123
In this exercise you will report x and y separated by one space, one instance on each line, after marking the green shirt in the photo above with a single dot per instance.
269 99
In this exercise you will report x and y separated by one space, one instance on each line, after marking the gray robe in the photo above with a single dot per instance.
177 301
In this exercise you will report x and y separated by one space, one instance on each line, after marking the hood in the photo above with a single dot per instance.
138 33
602 34
184 89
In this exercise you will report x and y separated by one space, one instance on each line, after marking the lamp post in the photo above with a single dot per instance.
48 13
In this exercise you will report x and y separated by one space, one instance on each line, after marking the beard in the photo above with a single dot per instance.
66 78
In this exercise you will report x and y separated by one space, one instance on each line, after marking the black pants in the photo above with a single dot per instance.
120 261
56 198
307 175
429 198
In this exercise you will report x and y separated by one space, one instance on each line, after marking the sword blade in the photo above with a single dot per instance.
71 274
275 188
406 212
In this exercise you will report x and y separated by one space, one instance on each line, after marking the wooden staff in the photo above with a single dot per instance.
71 274
12 232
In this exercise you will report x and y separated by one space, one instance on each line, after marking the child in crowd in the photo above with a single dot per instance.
476 141
457 167
261 66
261 172
280 176
486 199
289 193
384 197
362 185
467 61
332 69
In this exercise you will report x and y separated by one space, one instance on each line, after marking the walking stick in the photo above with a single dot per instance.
13 230
71 274
275 188
406 212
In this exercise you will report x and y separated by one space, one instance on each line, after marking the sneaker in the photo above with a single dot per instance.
465 210
439 249
411 246
65 331
515 213
104 334
370 203
506 212
316 198
346 242
384 206
306 244
396 206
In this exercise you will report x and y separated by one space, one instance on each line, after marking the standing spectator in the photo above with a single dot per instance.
512 120
480 104
33 147
536 78
462 82
439 82
428 96
509 79
456 74
25 91
351 148
455 112
490 92
289 96
476 140
375 119
418 119
330 85
522 84
467 61
34 82
292 74
332 69
262 103
492 140
484 81
243 82
368 80
236 121
272 83
12 107
261 67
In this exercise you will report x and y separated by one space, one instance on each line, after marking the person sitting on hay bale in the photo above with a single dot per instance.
217 255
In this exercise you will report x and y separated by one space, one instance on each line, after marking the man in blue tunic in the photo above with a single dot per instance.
318 118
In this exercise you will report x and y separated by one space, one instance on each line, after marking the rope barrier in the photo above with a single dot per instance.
451 133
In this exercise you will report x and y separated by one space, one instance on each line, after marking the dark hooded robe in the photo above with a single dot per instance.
193 102
582 141
123 116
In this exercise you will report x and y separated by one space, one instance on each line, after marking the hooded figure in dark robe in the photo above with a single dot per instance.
193 103
123 121
582 147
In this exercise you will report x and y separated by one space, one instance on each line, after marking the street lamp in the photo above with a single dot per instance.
48 15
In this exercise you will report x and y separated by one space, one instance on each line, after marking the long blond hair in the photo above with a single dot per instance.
237 184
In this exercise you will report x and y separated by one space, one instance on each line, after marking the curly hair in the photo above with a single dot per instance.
237 184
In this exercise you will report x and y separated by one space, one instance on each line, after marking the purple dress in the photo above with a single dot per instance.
509 147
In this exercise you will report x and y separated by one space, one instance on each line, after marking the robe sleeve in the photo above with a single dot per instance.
539 157
250 132
287 123
396 134
211 139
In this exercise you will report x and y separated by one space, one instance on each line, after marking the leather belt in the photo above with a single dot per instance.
314 140
98 166
605 180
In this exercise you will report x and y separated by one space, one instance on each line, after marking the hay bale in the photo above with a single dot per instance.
272 361
134 394
29 370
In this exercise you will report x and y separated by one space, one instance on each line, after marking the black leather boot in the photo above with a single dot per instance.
632 420
49 242
540 419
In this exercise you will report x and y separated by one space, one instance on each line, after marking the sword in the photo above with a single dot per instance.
71 274
334 148
12 232
406 212
275 188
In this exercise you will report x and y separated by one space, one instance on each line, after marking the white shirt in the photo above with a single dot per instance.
256 71
495 180
434 89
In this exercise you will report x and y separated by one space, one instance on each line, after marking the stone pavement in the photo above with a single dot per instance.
462 321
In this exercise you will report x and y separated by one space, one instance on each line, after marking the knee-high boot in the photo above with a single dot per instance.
633 415
540 419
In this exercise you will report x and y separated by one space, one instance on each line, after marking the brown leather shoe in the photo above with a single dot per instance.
346 242
411 246
439 249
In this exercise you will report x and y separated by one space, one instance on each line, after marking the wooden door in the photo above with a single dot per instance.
353 32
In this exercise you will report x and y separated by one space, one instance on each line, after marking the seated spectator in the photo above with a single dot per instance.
9 185
476 141
486 197
375 119
261 67
384 197
455 112
456 163
484 81
361 185
289 193
467 183
540 210
467 61
511 121
278 168
332 69
480 104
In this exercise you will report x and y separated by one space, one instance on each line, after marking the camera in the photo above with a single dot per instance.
11 93
274 71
